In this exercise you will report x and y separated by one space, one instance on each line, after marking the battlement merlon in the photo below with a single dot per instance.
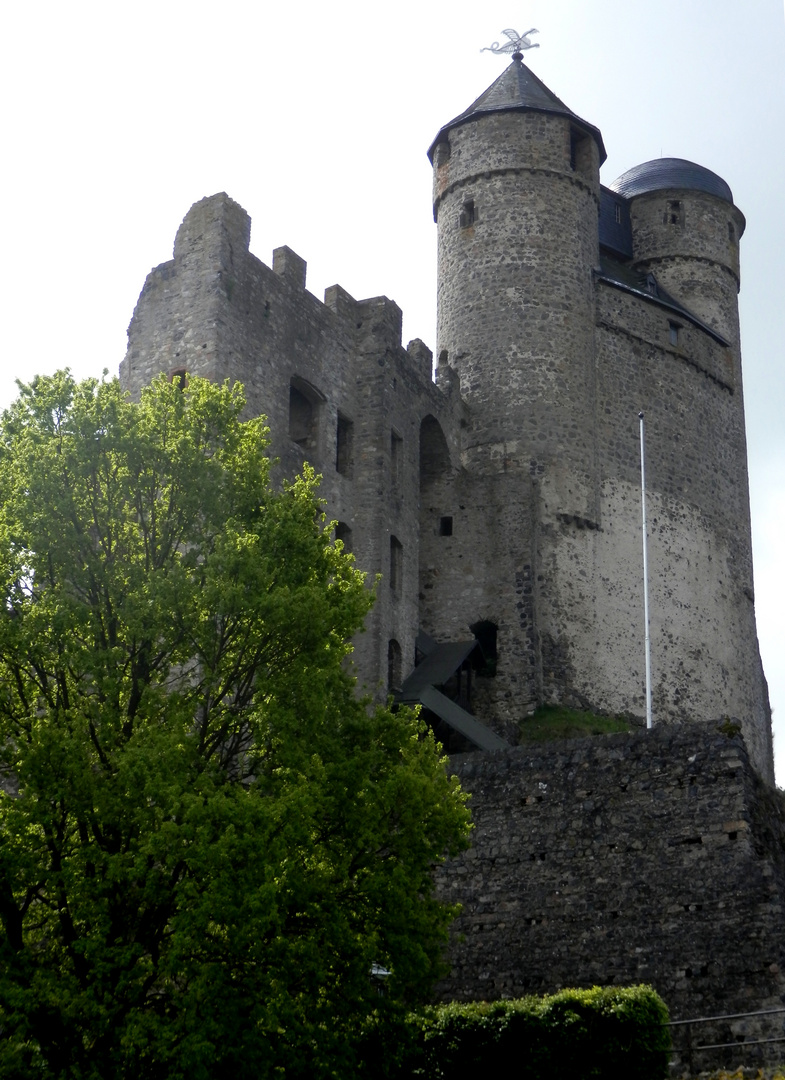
218 228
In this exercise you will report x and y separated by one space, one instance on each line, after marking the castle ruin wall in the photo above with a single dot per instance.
653 857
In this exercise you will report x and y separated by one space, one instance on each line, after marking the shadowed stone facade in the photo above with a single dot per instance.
506 493
657 857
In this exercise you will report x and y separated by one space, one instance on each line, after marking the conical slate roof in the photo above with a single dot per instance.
518 89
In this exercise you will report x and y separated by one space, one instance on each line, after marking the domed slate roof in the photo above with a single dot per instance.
518 89
670 173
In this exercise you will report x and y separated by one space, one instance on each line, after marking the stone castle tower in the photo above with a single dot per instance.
501 503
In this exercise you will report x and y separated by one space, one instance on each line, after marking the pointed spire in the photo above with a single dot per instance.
519 90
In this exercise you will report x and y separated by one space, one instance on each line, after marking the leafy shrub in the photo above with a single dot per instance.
597 1034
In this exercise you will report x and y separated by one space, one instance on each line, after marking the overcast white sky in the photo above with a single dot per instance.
316 118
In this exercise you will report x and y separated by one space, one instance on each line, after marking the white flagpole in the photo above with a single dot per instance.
647 636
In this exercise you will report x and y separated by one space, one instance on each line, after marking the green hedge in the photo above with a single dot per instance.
598 1034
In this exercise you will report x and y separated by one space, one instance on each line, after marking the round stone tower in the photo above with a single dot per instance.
516 195
686 231
564 309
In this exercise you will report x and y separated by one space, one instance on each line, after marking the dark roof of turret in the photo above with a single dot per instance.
519 89
670 173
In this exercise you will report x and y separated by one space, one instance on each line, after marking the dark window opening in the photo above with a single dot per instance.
731 231
301 418
468 214
484 658
344 534
396 449
393 665
445 526
179 377
673 333
617 213
434 455
304 401
580 152
344 459
673 214
396 564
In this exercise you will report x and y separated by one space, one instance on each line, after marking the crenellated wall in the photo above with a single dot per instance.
217 311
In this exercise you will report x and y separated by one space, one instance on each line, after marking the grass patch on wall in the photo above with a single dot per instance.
556 722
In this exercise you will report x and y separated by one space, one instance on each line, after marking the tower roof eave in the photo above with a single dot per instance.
518 90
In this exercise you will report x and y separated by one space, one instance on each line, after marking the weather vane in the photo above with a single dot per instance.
516 44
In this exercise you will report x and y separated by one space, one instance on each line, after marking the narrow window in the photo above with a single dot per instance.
468 214
581 160
484 658
179 377
445 526
617 213
393 665
673 213
396 564
673 333
344 460
731 232
396 450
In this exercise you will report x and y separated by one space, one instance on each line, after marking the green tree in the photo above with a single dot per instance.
206 839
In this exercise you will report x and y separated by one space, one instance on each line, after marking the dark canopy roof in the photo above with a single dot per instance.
670 173
518 89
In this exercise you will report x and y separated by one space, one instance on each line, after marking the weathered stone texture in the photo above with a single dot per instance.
654 857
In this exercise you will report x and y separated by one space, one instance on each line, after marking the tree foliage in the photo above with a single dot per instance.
206 839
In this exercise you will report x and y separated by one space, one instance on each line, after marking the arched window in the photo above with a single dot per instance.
304 402
434 454
344 534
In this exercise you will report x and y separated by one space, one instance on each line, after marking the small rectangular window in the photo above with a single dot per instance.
673 333
445 526
344 439
673 214
468 214
617 213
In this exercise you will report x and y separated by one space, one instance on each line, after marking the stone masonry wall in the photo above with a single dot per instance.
218 311
652 857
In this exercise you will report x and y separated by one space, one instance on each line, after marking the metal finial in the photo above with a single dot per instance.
516 44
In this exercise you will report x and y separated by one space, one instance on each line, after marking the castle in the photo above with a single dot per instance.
501 503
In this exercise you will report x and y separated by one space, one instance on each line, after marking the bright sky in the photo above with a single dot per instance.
316 118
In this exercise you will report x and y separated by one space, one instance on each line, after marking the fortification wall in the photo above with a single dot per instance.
336 385
653 857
